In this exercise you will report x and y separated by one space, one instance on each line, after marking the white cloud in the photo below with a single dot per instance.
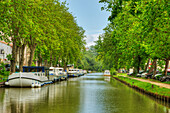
91 38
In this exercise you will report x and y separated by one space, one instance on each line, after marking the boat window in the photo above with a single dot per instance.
33 70
50 69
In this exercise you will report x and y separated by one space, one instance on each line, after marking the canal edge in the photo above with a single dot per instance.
156 96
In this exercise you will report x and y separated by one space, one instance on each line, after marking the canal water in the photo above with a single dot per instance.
92 93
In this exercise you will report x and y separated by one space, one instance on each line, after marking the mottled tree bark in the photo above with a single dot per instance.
155 68
32 46
166 67
147 65
21 60
14 55
45 63
139 62
153 63
32 50
40 60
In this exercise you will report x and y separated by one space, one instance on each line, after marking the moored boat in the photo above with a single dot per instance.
32 76
57 74
60 73
107 73
52 74
73 73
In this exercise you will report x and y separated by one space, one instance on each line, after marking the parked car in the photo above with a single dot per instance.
144 74
131 73
149 75
139 74
165 78
157 76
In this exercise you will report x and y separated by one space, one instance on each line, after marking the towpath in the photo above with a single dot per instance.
152 82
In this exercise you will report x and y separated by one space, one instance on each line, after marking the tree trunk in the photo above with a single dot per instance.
45 63
21 61
139 61
14 56
146 67
153 63
155 68
32 50
51 61
65 65
166 67
40 61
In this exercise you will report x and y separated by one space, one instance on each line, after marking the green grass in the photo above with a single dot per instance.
125 74
3 78
122 74
146 86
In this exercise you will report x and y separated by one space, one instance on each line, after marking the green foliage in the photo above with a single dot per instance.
3 73
113 71
9 57
89 62
138 31
46 27
33 64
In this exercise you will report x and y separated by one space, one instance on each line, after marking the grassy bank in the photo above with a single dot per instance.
146 87
125 74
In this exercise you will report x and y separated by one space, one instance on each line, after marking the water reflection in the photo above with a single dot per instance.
92 93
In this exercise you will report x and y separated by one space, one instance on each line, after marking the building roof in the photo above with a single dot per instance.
6 43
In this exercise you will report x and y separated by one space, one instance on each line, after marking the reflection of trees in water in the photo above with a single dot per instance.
78 95
2 92
138 95
21 100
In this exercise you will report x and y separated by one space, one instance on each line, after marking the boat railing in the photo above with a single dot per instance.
40 73
35 73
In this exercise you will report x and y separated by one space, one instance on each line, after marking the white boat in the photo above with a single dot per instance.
73 73
57 73
28 79
60 73
106 73
81 72
84 71
52 74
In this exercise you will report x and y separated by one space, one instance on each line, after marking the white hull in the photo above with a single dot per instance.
27 80
73 74
107 73
21 82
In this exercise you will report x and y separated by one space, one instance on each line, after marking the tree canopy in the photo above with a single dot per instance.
46 27
138 31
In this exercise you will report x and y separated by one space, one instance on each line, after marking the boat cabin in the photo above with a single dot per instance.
36 69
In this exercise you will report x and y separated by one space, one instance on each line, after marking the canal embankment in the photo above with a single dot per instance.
151 89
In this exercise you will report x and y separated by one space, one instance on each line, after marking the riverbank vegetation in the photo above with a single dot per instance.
146 87
89 62
46 28
138 33
3 73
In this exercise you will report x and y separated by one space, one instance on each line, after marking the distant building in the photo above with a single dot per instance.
5 49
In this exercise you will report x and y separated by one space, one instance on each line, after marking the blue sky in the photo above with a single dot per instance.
89 16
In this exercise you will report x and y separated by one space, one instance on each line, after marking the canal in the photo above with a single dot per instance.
92 93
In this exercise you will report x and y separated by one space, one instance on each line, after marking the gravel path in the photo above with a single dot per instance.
152 82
